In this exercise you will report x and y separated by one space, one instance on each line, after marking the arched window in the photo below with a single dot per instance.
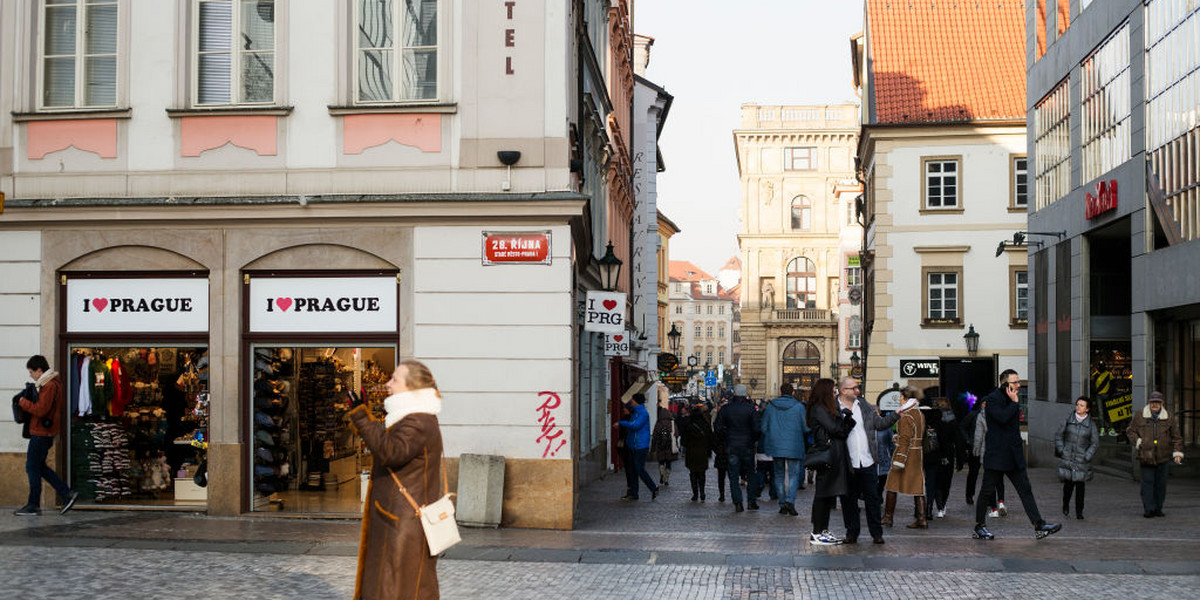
801 365
801 283
801 213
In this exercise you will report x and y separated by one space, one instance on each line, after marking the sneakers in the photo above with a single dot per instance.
941 513
1045 529
1003 509
993 513
69 503
28 511
823 539
981 533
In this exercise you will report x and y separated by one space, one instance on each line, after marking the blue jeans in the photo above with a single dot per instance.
639 471
1154 486
788 473
741 463
36 469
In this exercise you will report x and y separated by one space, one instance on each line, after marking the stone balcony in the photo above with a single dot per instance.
800 315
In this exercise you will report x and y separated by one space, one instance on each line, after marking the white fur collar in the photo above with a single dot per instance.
46 377
398 406
1146 413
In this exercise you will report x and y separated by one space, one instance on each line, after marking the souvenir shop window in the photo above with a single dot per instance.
139 423
302 446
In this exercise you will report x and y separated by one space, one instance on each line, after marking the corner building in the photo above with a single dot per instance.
226 221
1114 137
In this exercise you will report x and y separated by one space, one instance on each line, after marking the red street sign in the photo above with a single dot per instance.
1104 200
516 248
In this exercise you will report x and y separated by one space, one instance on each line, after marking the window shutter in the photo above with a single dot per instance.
215 69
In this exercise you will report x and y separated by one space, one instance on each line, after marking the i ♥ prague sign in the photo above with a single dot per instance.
325 304
137 305
616 344
604 312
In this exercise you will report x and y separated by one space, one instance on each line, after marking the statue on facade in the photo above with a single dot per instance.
768 295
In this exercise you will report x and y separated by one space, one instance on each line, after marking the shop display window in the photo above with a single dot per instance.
139 424
304 455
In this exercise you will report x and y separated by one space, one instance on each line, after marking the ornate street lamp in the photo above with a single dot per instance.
855 360
673 337
610 269
972 340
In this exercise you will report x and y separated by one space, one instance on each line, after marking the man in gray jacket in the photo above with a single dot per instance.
864 482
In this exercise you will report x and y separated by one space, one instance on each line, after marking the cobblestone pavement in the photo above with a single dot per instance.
669 548
119 574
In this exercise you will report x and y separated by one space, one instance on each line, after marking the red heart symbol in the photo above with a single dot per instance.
100 304
283 303
617 338
609 304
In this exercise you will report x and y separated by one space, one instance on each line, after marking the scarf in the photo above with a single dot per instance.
46 377
398 406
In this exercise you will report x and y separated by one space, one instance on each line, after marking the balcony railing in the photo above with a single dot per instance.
801 314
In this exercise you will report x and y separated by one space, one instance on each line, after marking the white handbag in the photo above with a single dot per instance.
437 517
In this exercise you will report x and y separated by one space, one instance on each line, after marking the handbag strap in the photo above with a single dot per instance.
445 484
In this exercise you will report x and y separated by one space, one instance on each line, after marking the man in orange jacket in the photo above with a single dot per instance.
45 413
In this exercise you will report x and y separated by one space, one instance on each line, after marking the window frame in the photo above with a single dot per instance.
790 158
958 179
804 203
397 48
1014 206
801 275
236 53
80 58
928 322
1014 320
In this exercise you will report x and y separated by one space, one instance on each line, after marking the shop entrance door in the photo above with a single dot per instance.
801 366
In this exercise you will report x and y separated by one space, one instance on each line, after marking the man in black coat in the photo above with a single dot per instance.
1004 455
737 426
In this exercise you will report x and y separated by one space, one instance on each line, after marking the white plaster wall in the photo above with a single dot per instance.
152 83
20 318
495 337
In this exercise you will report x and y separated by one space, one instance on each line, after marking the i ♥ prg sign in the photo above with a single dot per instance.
616 344
137 305
604 312
325 304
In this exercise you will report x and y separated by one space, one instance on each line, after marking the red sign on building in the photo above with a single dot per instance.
506 247
1103 201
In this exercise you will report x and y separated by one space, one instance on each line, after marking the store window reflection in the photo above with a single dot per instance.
304 457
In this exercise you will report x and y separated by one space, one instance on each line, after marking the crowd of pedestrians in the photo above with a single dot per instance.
854 455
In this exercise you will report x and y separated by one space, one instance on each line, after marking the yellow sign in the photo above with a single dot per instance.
1119 408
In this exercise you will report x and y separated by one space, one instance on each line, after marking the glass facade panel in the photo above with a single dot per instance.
1052 147
1106 101
1173 107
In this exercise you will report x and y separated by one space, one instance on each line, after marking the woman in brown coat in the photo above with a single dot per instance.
393 556
907 475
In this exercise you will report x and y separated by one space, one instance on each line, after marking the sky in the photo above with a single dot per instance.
713 56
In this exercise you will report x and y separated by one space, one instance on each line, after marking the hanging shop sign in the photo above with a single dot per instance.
323 304
604 312
516 248
919 368
616 344
137 305
667 361
1104 200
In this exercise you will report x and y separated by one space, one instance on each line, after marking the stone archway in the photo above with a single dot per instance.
801 365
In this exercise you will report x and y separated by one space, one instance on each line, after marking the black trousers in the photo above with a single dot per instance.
1020 481
698 481
1078 488
820 512
864 484
972 475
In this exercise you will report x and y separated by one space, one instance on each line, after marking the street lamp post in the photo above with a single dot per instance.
673 337
610 269
972 340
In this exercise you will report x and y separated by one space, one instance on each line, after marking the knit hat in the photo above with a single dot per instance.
739 390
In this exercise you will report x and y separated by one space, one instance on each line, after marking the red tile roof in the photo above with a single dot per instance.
733 264
682 270
936 61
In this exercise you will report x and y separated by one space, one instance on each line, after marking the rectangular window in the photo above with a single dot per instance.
79 54
721 330
708 331
710 309
942 297
697 330
1106 101
1052 147
853 276
799 159
1019 183
697 307
396 50
1019 298
721 357
708 357
235 52
1172 87
941 183
854 340
679 310
721 309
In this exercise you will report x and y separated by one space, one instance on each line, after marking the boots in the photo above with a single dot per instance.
921 522
889 508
